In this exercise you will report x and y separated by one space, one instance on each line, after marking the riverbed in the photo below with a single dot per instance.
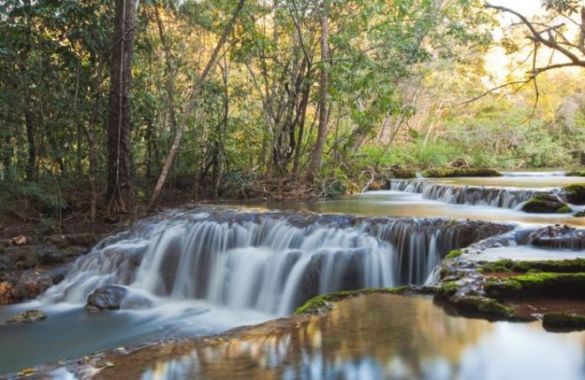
199 272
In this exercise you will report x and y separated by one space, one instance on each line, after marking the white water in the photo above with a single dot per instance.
265 262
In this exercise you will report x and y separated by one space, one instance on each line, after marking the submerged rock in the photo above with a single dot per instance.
106 298
546 203
28 316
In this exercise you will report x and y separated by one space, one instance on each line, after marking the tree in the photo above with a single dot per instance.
191 103
119 192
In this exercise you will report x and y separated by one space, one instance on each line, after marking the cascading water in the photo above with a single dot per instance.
270 262
466 195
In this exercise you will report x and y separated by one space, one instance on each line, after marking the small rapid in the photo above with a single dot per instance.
466 195
268 262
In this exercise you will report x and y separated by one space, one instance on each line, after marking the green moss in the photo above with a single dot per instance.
446 289
537 284
579 214
454 254
554 266
321 302
563 321
575 194
442 173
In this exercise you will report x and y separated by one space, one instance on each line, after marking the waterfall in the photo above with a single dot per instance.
270 262
466 195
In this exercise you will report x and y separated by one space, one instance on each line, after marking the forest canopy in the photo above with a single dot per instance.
109 106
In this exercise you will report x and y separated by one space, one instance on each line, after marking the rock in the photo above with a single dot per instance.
563 322
558 237
85 240
106 298
575 194
28 316
579 214
546 203
375 186
20 240
29 284
400 173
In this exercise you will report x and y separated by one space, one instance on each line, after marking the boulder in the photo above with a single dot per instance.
546 203
115 297
106 298
28 316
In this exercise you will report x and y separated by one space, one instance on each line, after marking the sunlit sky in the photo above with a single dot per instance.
526 7
497 62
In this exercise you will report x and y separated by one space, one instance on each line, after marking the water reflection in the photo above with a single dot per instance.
373 337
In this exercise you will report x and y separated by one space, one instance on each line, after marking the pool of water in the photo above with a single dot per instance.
370 337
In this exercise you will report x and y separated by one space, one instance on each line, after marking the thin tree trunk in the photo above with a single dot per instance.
315 162
119 193
190 107
30 138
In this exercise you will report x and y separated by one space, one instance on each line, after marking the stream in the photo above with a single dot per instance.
205 270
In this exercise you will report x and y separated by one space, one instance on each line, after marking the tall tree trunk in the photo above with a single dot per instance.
315 162
7 152
192 101
119 193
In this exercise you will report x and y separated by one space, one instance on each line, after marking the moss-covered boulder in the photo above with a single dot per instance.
546 203
575 194
458 172
563 321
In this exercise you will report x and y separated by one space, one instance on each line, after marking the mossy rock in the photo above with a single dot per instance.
575 194
579 214
546 203
538 284
454 254
563 322
446 173
553 266
322 302
482 307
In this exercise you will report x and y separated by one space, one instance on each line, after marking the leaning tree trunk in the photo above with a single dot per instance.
315 162
193 96
119 193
